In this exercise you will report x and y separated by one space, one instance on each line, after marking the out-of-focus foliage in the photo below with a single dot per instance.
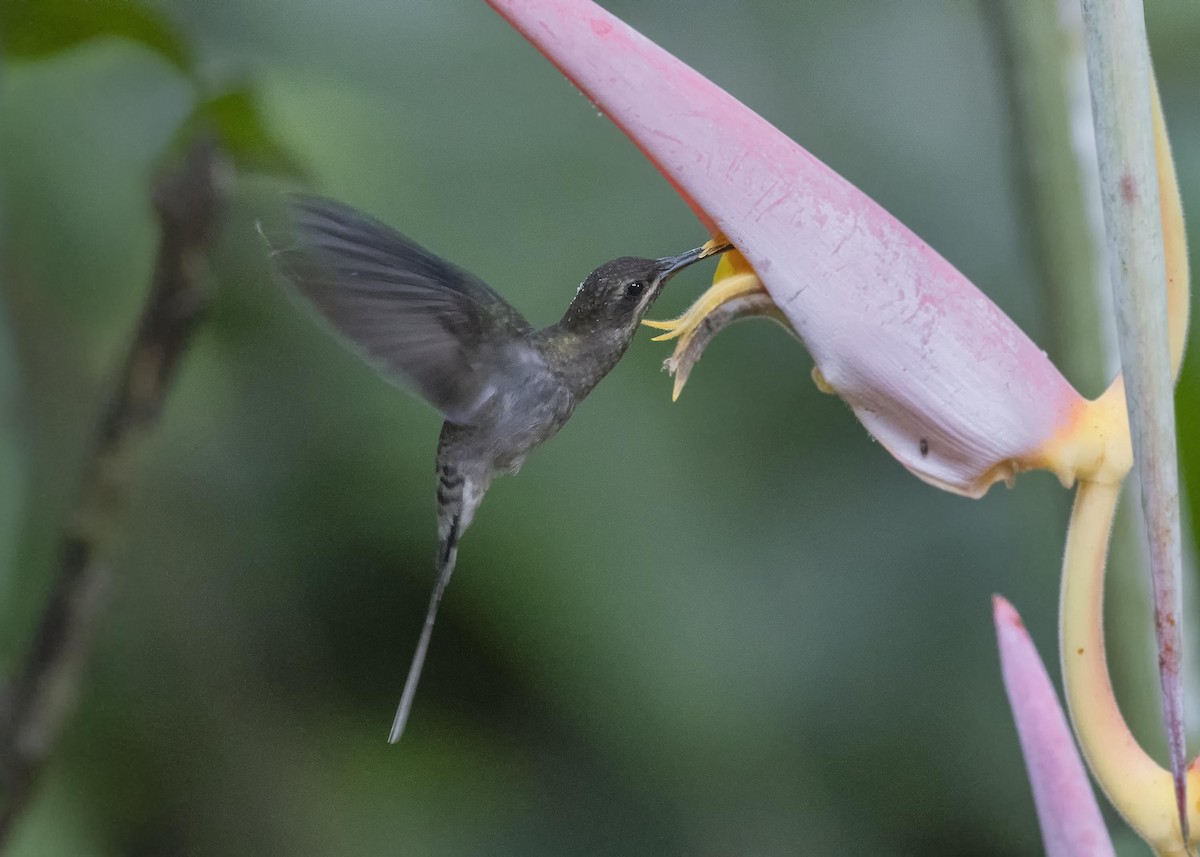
235 116
42 28
730 625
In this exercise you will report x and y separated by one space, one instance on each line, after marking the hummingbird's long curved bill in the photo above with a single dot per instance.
674 264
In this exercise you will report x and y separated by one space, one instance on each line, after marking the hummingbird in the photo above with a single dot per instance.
503 386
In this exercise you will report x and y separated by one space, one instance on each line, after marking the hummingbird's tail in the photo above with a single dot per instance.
459 493
447 553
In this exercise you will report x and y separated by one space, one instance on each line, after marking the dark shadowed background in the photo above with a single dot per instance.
727 626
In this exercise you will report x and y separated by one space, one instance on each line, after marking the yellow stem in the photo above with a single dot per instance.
1140 789
1174 238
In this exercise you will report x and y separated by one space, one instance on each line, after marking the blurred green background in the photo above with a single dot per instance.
728 626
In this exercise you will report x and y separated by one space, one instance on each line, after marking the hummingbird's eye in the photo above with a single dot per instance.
635 288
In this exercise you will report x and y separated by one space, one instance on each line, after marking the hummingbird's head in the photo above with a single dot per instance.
616 296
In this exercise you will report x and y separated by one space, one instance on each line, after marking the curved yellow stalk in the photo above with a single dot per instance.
1140 789
1174 239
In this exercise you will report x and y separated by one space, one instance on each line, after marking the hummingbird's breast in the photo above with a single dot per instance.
528 417
520 415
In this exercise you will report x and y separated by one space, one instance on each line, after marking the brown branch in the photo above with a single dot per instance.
42 694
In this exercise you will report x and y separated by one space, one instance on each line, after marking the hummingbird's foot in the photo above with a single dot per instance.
736 294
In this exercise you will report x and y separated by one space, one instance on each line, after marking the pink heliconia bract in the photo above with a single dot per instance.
933 369
1067 810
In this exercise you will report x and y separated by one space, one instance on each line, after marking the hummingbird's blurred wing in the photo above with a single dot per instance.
410 314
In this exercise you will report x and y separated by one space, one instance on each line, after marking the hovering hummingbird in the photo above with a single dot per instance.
503 386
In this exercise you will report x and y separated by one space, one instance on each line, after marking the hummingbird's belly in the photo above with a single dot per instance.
523 420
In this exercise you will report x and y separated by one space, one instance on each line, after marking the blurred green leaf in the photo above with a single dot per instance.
40 28
236 119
